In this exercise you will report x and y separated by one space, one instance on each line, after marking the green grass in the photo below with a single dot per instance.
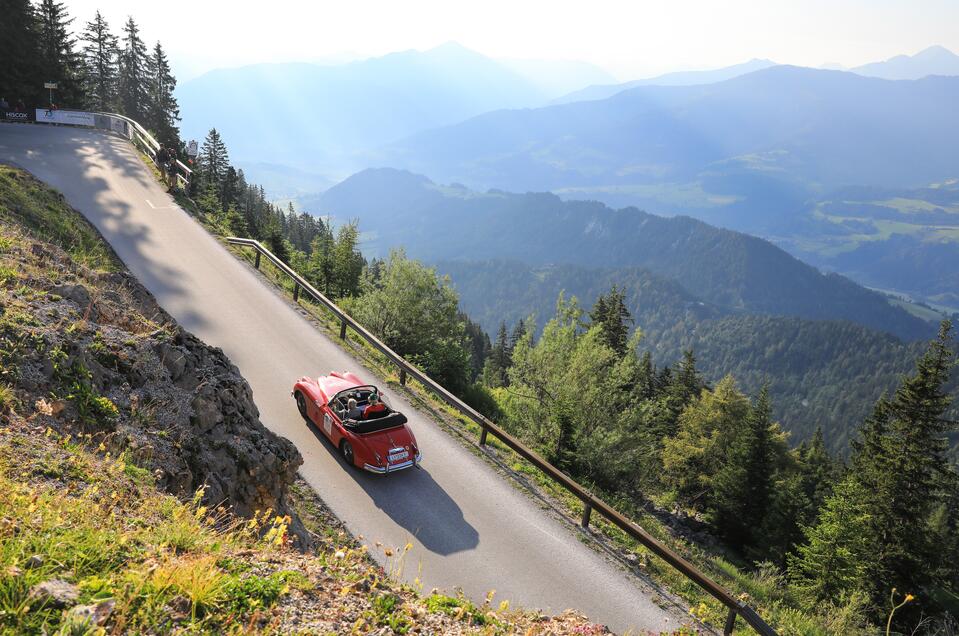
114 536
7 398
44 214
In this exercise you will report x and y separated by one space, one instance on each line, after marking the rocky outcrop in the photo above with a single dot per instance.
94 354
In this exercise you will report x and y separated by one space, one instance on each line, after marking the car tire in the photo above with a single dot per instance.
301 406
347 450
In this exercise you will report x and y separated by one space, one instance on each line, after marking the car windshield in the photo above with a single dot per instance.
361 394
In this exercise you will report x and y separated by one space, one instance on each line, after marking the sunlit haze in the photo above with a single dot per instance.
628 39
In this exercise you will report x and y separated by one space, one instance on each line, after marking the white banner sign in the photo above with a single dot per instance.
74 117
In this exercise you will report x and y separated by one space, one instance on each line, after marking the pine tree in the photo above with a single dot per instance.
58 61
646 383
837 560
162 112
497 365
901 463
899 478
134 74
214 163
100 55
322 263
741 488
611 314
230 188
20 74
347 260
819 471
516 335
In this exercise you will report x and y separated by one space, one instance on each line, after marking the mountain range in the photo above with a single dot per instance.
734 271
679 78
743 305
935 60
784 124
318 117
770 153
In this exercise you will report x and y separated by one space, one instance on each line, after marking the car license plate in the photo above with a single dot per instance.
395 457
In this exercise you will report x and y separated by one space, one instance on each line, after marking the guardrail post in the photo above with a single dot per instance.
587 512
296 292
483 435
256 261
343 330
402 377
730 622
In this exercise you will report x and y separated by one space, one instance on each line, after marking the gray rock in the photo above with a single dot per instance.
55 593
77 293
34 561
93 614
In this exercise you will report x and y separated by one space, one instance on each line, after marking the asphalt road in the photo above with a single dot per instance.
469 527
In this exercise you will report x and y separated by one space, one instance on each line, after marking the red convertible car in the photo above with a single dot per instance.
357 419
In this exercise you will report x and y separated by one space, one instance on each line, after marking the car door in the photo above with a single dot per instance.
327 422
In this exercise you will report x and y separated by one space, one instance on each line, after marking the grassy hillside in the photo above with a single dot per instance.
122 508
87 543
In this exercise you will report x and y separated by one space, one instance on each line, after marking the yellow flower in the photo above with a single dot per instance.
909 597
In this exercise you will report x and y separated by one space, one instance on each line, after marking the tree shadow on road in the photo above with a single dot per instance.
69 160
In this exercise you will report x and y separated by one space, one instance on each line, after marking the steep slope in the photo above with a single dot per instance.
935 60
824 127
728 269
87 351
680 78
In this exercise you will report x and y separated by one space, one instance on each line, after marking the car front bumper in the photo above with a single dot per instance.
382 470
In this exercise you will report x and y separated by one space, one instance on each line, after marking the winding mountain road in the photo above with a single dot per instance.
469 527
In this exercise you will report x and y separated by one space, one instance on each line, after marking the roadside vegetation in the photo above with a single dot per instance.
702 466
89 546
91 539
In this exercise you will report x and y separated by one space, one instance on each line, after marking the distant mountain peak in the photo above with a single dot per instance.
936 50
933 60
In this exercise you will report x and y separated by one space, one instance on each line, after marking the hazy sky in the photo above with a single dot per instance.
630 39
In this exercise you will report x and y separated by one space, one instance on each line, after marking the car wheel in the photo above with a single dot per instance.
301 406
347 449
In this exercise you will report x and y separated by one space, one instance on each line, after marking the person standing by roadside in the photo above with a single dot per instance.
163 162
171 171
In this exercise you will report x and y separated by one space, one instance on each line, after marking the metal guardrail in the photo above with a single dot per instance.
590 502
146 142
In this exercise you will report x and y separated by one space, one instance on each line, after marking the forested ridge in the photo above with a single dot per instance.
820 373
729 269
